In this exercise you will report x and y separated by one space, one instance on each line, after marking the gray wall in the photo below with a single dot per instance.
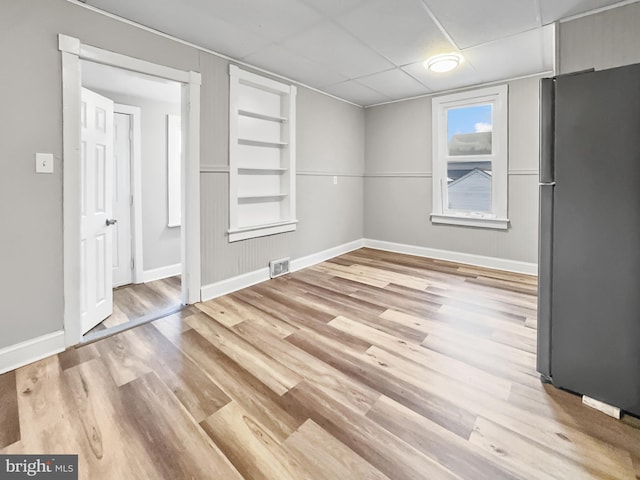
603 40
31 205
161 244
398 183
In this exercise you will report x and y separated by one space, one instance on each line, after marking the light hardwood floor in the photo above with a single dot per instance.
372 365
134 301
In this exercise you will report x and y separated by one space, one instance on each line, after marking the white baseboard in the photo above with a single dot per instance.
162 272
470 259
315 258
230 285
233 284
30 351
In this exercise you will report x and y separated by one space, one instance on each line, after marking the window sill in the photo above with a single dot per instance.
470 221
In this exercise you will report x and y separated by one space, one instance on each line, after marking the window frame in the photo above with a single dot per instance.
497 97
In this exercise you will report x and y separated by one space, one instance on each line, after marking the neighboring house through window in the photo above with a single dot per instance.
470 158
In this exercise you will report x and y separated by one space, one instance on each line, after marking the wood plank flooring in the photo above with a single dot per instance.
131 302
373 365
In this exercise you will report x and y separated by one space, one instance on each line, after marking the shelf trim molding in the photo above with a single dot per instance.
244 233
261 143
261 116
261 170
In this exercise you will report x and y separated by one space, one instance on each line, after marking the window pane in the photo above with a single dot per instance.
469 186
469 130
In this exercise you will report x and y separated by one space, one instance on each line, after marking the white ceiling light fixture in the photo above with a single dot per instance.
443 63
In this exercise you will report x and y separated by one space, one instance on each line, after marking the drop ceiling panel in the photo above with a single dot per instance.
198 26
394 84
330 45
273 19
357 93
327 42
401 31
462 76
332 7
472 22
510 57
554 10
278 59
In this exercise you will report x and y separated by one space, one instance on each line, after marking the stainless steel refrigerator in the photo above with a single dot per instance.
589 260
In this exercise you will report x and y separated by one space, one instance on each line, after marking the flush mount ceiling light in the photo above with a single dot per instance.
443 63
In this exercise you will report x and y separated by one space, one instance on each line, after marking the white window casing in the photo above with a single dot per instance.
496 217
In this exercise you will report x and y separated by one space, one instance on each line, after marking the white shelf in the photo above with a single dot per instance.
262 116
261 171
262 197
261 143
243 233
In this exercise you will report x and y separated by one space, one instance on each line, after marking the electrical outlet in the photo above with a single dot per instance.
44 162
335 179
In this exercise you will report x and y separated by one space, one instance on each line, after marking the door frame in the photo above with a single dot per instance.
72 50
136 187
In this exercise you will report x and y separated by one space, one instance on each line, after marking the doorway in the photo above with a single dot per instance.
145 190
73 52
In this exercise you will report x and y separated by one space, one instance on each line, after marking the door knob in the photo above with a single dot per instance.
111 221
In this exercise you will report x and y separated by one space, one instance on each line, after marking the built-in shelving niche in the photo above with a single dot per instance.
262 156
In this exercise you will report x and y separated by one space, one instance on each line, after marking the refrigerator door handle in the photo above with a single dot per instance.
547 184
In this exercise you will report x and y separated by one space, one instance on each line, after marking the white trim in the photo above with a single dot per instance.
190 189
233 284
556 48
106 57
315 258
603 407
398 175
524 171
498 98
470 221
515 171
71 84
162 272
261 230
214 168
68 44
300 173
230 285
245 280
458 257
136 187
203 49
316 173
32 350
258 81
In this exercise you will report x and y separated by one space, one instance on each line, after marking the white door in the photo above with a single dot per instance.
96 176
121 231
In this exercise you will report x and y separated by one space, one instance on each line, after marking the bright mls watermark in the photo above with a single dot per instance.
52 467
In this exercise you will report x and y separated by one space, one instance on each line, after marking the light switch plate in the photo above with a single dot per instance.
44 162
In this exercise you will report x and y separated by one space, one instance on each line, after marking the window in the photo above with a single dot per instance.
470 158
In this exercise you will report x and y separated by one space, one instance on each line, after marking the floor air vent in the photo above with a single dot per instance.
278 267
